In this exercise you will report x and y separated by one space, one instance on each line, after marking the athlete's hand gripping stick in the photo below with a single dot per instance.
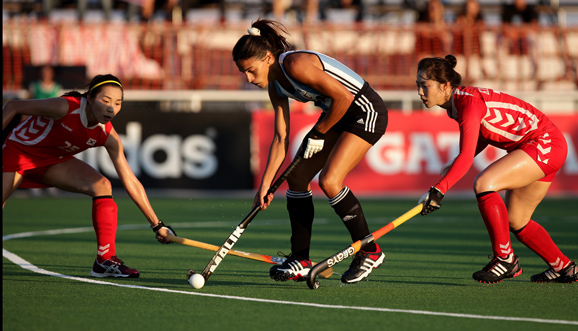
163 239
432 200
313 143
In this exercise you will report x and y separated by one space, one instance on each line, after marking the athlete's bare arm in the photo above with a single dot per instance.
279 145
132 185
55 108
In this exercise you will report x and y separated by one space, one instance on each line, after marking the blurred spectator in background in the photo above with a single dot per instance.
420 7
45 87
140 10
358 5
82 5
470 13
432 36
146 10
519 19
309 7
519 11
466 36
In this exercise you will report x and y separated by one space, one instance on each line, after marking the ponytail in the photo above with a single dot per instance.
263 36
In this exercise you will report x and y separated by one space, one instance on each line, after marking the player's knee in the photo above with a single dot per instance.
516 225
101 187
331 185
484 184
297 183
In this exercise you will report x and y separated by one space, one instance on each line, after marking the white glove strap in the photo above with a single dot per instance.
423 198
169 230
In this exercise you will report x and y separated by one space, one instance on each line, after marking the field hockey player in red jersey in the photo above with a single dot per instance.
40 151
353 118
536 150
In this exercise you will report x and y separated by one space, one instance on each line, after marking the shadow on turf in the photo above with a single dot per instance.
176 278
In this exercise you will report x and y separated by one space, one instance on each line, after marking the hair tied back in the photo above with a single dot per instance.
254 31
451 59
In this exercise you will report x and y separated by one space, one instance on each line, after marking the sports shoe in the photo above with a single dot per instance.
293 268
362 265
113 267
497 270
566 275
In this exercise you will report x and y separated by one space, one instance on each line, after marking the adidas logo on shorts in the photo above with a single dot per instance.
360 121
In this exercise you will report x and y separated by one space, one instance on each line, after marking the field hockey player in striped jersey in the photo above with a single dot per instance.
353 118
536 150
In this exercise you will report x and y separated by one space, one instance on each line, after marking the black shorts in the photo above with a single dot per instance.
366 117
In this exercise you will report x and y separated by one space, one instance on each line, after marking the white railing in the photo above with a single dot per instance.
550 102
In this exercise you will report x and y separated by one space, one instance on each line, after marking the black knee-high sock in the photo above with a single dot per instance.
349 210
301 213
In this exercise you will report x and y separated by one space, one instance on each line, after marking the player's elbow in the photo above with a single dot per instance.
8 112
348 98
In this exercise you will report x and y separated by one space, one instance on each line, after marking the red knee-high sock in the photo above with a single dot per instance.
538 240
495 215
104 220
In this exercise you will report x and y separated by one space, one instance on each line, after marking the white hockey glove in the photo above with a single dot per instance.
312 143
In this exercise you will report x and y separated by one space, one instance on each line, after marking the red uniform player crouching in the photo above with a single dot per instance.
40 151
536 151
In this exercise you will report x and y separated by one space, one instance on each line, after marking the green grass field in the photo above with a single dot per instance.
425 283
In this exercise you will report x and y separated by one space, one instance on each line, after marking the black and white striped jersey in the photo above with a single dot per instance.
349 78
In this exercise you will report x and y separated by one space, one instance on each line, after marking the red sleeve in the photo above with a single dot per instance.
73 102
471 110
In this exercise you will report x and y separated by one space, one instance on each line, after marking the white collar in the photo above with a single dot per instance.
82 112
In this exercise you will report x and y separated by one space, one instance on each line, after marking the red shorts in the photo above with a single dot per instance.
31 168
32 177
549 151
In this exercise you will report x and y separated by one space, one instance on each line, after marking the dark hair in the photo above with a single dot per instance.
270 39
95 86
441 69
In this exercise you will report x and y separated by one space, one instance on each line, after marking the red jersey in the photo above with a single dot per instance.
488 117
40 141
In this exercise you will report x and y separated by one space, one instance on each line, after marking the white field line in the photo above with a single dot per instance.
29 266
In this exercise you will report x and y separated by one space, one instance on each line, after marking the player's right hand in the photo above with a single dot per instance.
262 199
162 232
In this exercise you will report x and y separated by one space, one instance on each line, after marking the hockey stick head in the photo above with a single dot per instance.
321 267
356 246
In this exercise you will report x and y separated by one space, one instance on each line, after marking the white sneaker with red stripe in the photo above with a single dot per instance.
294 268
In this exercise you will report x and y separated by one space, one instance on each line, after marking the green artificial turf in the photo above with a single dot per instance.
424 284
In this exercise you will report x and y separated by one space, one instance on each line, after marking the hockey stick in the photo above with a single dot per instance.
228 244
356 247
234 252
252 256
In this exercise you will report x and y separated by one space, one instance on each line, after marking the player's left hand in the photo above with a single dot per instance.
432 200
312 143
162 232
